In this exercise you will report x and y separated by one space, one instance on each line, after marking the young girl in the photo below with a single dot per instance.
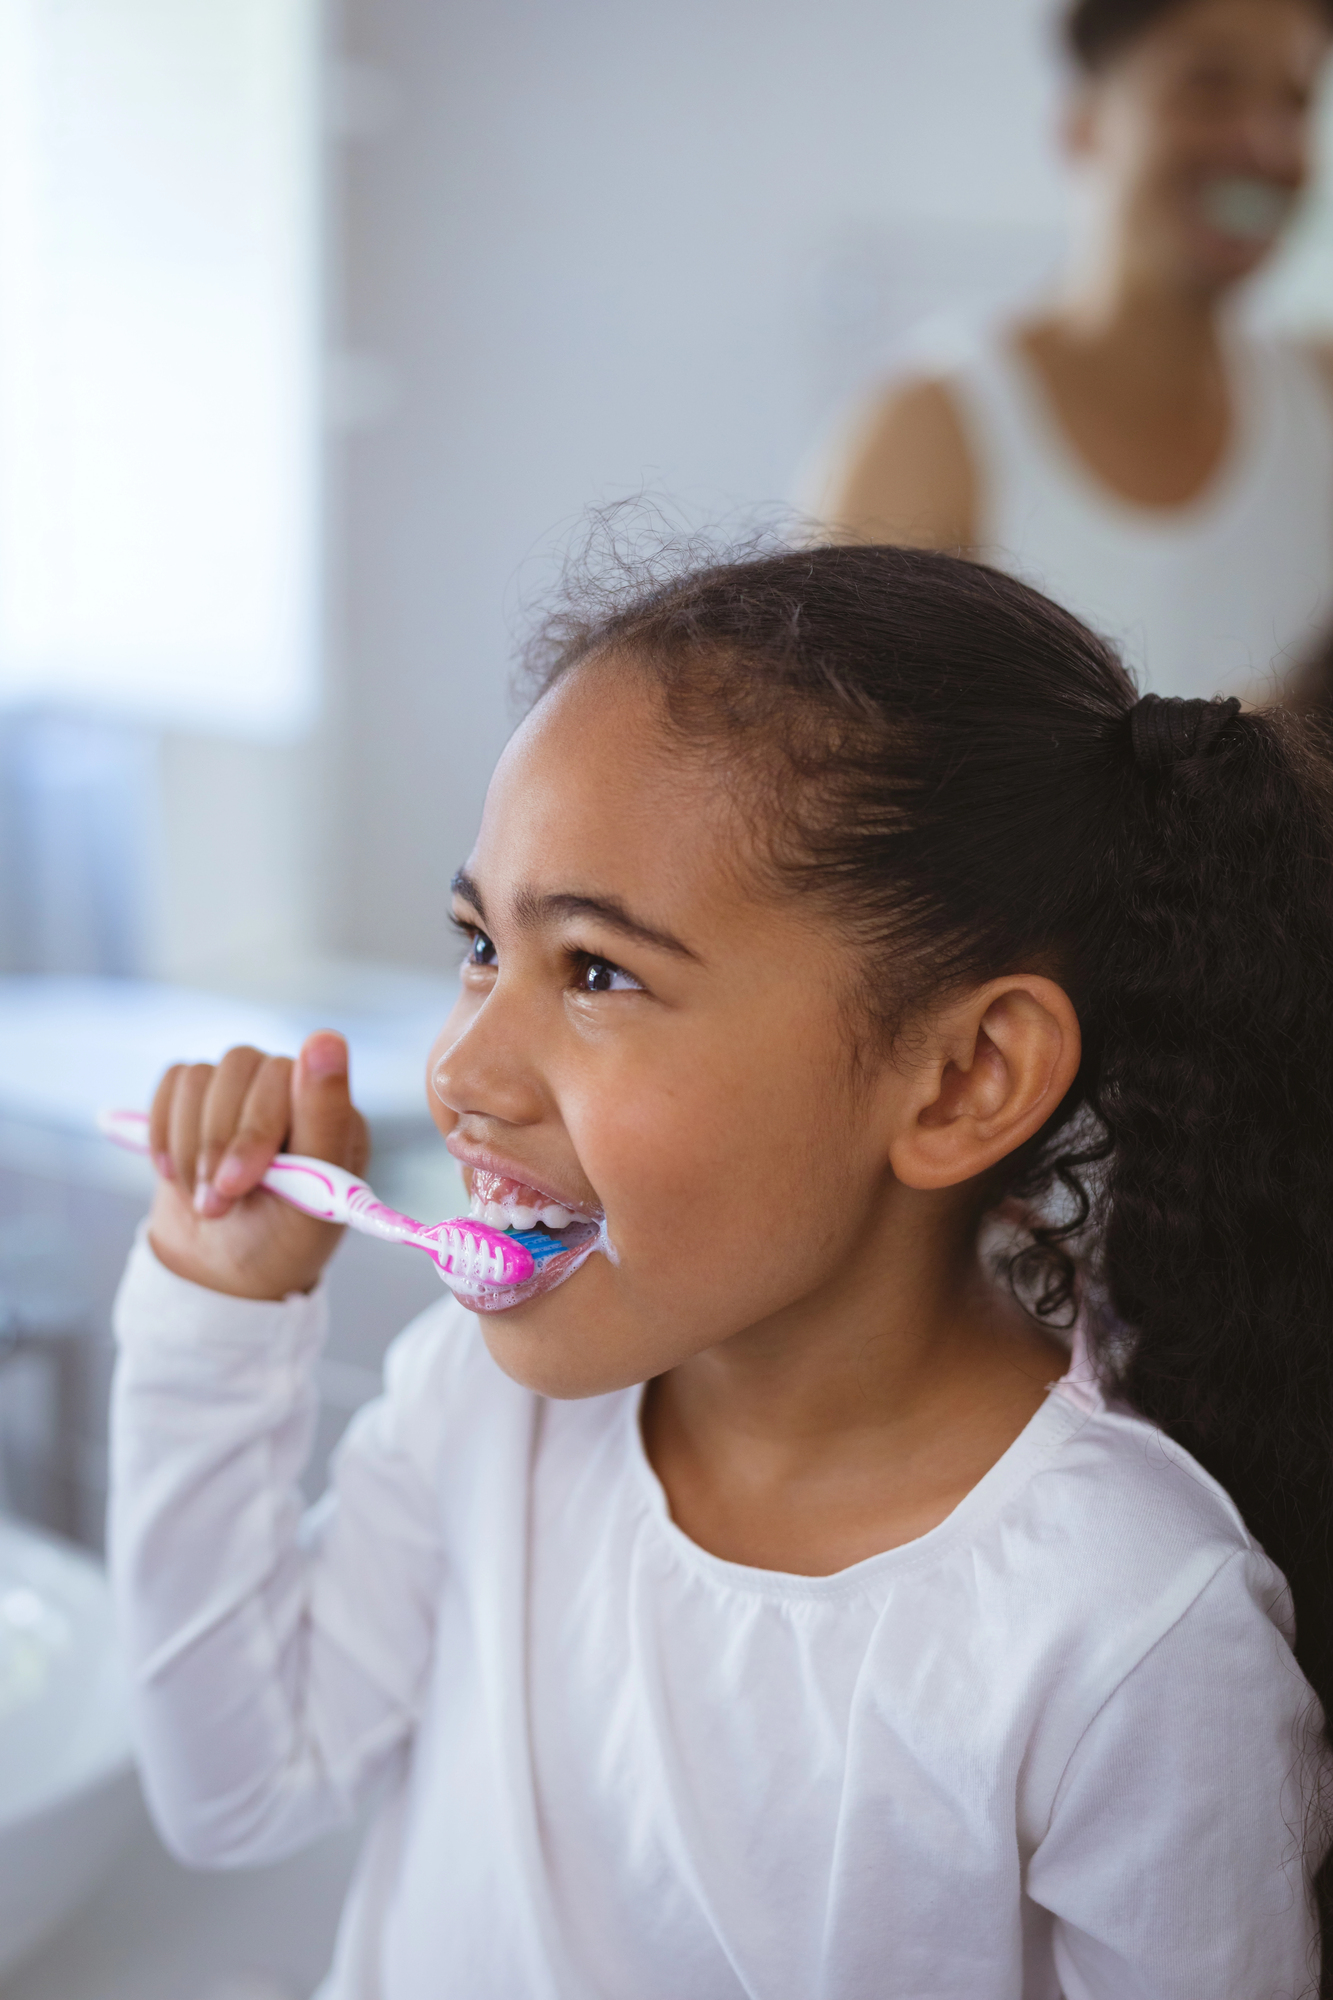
765 1604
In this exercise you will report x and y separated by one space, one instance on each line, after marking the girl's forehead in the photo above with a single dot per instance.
600 738
593 777
595 799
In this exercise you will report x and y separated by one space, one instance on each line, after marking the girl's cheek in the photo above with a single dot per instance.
645 1161
662 1190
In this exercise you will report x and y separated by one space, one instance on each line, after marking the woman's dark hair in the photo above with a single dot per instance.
944 759
1097 30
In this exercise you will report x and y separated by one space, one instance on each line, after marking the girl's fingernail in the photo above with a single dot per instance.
203 1195
162 1161
228 1177
326 1055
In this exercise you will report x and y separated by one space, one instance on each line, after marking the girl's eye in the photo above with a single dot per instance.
598 975
480 950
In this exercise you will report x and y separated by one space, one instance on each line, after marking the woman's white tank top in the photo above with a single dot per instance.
1221 595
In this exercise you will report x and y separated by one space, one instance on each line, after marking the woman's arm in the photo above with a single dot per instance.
904 474
278 1659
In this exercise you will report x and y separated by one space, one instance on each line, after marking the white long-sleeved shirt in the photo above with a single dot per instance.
1057 1746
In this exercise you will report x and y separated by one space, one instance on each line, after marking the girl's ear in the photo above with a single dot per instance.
991 1068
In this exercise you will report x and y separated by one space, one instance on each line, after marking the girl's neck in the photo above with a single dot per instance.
853 1422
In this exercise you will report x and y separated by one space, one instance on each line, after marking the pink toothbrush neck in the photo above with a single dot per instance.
388 1221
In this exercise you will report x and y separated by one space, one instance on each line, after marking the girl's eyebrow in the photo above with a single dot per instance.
533 909
464 886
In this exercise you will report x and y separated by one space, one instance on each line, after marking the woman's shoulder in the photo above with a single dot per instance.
1296 371
900 469
913 459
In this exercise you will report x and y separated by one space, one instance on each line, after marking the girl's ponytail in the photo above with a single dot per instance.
1216 1093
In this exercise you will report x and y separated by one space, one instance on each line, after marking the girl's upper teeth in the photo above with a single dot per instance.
515 1214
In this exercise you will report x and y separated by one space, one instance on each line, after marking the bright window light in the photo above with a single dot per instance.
158 341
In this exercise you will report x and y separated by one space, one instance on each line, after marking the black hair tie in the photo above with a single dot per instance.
1165 731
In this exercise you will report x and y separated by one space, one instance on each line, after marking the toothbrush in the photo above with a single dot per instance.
461 1248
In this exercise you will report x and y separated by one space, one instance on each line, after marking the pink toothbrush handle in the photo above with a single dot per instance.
316 1187
464 1248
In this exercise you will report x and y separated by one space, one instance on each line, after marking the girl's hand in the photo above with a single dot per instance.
214 1134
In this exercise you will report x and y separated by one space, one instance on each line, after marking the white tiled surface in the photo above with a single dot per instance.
157 1931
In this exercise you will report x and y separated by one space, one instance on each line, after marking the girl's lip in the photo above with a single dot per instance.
492 1163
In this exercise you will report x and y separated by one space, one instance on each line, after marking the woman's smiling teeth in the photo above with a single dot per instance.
1246 207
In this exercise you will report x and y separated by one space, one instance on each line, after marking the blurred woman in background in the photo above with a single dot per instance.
1128 448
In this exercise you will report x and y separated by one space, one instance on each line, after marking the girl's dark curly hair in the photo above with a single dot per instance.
943 758
1096 31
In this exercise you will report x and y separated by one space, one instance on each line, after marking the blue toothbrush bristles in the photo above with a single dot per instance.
537 1243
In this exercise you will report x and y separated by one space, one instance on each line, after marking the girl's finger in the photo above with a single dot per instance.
260 1132
187 1104
159 1121
221 1116
325 1123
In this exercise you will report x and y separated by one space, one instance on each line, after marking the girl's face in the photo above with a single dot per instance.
646 1036
1199 134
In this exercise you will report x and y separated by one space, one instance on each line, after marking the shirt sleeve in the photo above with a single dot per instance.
1176 1860
277 1658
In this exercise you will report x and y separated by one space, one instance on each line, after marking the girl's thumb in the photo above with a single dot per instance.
324 1121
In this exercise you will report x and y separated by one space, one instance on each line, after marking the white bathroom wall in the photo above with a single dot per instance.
575 250
589 247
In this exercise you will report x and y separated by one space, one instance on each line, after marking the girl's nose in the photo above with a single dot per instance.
483 1074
